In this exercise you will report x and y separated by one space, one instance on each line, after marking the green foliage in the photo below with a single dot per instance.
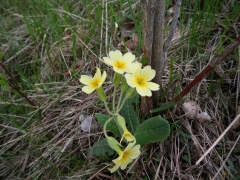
167 106
3 83
130 115
152 130
102 149
111 125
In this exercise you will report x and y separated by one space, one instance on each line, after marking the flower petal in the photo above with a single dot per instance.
119 71
136 68
88 89
103 78
115 167
129 146
144 91
115 55
97 74
148 73
128 57
152 86
108 61
125 163
135 152
130 80
86 80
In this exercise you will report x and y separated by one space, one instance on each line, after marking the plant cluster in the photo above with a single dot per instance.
131 79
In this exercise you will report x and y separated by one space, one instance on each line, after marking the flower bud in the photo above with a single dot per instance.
126 134
117 79
121 122
101 94
131 92
114 144
124 85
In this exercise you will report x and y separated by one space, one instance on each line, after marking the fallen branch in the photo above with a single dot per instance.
212 64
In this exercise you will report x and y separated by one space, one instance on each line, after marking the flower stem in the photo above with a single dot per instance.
106 106
123 101
114 95
105 125
119 101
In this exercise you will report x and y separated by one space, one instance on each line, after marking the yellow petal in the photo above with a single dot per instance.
144 91
86 80
108 61
125 163
136 68
115 55
135 152
152 86
97 74
119 71
130 80
115 168
87 89
128 57
130 145
148 73
103 78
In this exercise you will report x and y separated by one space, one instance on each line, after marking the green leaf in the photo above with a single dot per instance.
167 106
129 114
5 87
152 130
144 60
102 149
112 126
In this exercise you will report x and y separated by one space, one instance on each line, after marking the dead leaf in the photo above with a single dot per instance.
127 28
132 43
88 123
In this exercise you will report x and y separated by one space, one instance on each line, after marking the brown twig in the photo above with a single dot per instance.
13 84
212 64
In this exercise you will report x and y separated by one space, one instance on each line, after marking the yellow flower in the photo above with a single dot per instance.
125 157
120 63
126 134
139 79
93 83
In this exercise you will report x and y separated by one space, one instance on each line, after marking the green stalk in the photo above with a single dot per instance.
105 125
114 95
124 100
119 101
108 110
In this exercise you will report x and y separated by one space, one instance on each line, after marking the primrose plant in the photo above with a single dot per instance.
130 79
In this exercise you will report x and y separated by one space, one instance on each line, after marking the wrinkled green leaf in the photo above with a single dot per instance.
112 126
152 130
102 149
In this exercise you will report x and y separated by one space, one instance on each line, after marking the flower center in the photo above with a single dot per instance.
125 156
141 81
95 83
120 65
